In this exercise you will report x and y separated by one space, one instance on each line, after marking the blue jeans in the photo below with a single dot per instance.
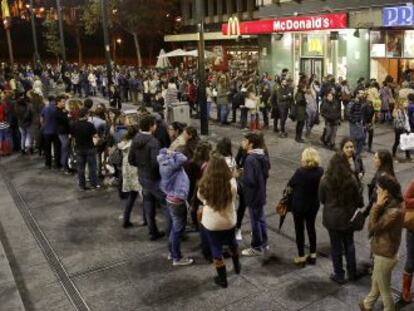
216 240
151 195
178 218
343 242
409 264
132 197
25 138
64 150
87 156
259 228
224 112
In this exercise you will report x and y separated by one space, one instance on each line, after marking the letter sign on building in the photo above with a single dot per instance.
398 16
286 24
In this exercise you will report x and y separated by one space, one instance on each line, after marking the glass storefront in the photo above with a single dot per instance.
392 53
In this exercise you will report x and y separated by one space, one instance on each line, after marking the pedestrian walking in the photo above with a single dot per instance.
331 112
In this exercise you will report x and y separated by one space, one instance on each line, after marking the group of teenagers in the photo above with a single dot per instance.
190 176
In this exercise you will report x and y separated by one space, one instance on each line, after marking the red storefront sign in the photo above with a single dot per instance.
286 24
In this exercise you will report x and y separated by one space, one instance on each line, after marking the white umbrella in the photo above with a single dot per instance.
162 61
175 53
194 53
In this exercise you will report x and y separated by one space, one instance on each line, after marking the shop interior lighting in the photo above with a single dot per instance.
356 33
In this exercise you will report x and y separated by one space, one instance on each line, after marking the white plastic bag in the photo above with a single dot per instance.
407 141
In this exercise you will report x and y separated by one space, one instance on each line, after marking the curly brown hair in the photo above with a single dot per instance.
215 185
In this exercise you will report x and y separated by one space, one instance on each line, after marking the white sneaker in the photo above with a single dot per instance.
183 262
251 252
169 257
239 236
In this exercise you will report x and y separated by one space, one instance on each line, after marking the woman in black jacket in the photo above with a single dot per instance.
305 203
347 147
339 192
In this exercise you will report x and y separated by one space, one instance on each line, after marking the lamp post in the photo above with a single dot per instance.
201 98
104 15
61 34
6 23
34 34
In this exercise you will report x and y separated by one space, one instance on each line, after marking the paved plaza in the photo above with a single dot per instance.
67 249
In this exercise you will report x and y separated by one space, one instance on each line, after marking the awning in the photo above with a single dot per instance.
208 36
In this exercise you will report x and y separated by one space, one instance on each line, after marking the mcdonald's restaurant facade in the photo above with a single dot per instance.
316 44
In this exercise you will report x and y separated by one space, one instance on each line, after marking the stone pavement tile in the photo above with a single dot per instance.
263 302
50 297
152 283
329 303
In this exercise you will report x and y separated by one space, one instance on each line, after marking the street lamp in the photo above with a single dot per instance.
119 40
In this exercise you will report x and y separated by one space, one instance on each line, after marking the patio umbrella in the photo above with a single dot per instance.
162 62
194 53
175 53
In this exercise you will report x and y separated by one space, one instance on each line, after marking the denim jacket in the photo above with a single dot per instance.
174 180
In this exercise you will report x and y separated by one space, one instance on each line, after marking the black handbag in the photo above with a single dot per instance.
116 157
357 221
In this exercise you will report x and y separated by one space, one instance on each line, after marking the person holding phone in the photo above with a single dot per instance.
385 228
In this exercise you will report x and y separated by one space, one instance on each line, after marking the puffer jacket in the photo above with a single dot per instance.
385 227
174 179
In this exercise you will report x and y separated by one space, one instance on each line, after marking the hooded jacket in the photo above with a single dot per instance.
256 173
143 155
174 179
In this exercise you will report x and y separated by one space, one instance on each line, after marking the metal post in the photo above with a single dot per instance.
61 34
201 98
104 15
36 49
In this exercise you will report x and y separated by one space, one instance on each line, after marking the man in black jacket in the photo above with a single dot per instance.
84 132
284 103
143 155
63 131
331 112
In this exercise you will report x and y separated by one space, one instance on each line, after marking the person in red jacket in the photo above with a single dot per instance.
6 142
409 264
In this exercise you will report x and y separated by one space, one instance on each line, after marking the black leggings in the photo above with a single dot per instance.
300 221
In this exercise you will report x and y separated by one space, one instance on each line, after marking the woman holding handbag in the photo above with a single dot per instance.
305 203
409 225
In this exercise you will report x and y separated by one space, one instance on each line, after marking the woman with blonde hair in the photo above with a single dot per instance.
217 192
305 203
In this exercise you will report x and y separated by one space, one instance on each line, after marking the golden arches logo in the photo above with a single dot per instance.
233 27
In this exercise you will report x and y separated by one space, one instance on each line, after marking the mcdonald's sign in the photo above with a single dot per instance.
285 24
233 27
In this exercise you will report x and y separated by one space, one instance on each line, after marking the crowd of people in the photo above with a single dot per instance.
182 176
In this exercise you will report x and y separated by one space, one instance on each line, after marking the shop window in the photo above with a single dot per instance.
409 44
378 44
312 45
394 43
